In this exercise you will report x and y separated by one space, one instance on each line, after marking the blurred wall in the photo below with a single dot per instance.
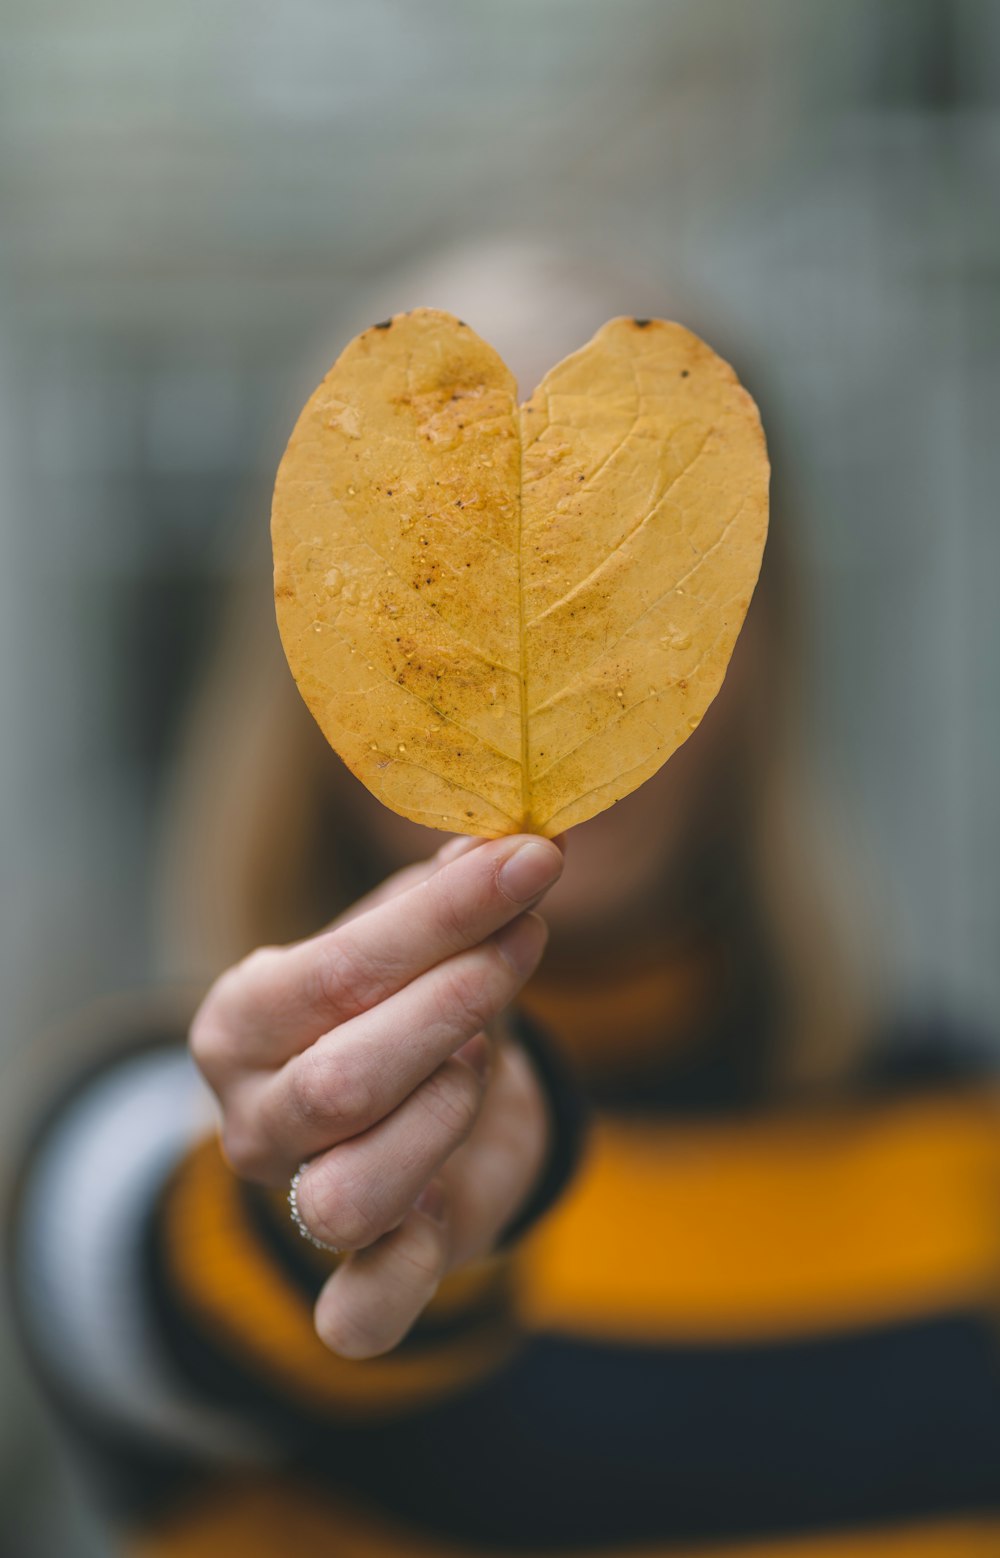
195 198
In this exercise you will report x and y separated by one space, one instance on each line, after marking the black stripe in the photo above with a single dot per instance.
723 1074
575 1444
590 1446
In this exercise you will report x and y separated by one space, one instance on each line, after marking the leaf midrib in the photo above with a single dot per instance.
522 627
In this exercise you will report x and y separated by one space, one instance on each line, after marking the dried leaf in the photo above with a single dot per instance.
506 619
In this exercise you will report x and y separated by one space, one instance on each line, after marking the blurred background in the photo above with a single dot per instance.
198 205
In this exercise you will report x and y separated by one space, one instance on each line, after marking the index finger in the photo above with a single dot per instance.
405 878
290 996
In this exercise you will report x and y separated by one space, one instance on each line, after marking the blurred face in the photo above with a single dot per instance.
617 862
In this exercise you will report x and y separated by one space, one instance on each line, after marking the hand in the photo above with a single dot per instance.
365 1051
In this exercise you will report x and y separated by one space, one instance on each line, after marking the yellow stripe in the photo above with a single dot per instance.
255 1522
260 1317
772 1228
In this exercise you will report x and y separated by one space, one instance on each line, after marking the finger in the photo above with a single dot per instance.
334 977
491 1175
281 1000
223 1042
355 1076
373 1298
408 877
351 1196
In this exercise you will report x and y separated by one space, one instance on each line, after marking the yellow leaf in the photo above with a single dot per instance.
506 619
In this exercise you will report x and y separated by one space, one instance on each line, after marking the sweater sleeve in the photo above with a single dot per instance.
162 1295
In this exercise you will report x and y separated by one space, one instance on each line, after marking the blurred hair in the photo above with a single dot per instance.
258 844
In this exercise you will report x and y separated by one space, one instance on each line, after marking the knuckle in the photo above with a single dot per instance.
337 1211
249 985
326 1093
341 975
245 993
204 1040
452 1096
259 966
450 914
465 994
216 1048
246 1154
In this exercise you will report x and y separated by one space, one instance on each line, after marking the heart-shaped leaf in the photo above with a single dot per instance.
505 619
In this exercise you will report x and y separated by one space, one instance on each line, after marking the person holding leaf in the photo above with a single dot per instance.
619 1221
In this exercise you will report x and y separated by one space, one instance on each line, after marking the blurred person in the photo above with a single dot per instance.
662 1238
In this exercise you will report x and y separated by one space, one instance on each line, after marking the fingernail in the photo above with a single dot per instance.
432 1202
529 871
523 942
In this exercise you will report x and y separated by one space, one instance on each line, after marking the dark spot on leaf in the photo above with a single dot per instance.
685 373
383 324
642 323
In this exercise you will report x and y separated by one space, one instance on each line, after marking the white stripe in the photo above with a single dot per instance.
79 1270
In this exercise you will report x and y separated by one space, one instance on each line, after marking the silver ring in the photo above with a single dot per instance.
297 1218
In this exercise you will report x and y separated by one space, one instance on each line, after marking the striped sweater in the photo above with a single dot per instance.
739 1329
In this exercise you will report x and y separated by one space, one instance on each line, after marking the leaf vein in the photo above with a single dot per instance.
598 735
409 691
646 519
608 649
467 643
